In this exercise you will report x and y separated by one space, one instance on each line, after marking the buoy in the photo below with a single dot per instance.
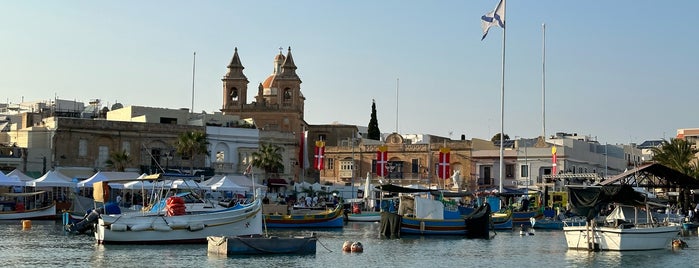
357 247
347 246
26 224
678 243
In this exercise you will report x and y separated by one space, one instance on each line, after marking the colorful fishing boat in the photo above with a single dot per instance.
15 209
502 220
312 219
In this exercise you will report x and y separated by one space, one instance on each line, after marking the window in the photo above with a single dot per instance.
126 147
330 164
234 94
524 171
322 137
287 94
415 165
509 171
82 147
102 155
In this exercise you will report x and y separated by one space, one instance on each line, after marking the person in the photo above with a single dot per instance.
118 200
525 204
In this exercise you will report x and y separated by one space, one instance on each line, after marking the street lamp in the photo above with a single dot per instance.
168 157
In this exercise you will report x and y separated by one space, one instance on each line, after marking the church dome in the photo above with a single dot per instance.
268 82
279 57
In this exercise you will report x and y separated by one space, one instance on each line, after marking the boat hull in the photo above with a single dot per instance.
618 239
188 228
260 245
46 213
329 219
364 216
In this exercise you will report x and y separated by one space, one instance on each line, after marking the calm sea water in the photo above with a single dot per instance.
45 245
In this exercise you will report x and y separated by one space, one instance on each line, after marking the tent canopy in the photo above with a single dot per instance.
52 179
10 180
108 176
225 184
20 175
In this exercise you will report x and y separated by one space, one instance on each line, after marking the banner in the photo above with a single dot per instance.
443 164
381 161
553 160
319 155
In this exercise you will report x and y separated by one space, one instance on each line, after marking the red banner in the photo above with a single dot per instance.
443 165
381 161
319 155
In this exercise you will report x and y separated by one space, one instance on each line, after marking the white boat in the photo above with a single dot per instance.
365 216
621 231
13 208
195 227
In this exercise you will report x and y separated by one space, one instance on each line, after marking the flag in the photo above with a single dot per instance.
248 170
381 161
493 18
443 168
303 151
554 160
319 155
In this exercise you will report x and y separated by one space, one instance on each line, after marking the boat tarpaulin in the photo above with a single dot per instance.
589 201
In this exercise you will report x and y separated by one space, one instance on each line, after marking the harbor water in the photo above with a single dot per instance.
46 245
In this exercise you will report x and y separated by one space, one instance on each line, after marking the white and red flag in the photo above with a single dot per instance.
553 160
319 155
381 161
443 165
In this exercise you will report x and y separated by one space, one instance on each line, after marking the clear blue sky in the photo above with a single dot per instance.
621 71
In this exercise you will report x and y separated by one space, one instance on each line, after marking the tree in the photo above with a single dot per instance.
118 160
677 154
268 158
373 132
496 137
191 144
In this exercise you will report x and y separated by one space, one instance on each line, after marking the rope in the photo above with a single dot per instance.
324 246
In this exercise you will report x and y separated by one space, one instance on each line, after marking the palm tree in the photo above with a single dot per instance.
677 154
268 158
118 160
191 144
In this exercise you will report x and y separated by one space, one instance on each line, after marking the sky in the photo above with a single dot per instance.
621 71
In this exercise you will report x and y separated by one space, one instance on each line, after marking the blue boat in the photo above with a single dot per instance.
556 224
502 221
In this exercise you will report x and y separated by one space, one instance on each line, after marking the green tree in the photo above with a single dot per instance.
373 132
191 144
268 158
496 137
677 154
118 160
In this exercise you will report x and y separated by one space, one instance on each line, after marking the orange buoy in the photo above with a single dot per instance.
357 247
347 246
26 224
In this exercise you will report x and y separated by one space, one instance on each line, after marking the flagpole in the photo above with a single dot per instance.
502 104
543 81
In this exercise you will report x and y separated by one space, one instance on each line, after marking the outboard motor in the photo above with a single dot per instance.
87 224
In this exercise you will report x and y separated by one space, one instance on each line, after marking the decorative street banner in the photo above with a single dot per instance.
443 164
381 161
553 159
319 155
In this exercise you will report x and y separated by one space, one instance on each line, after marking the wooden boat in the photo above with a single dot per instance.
474 225
16 209
619 231
365 216
520 218
556 224
502 220
312 219
146 228
259 244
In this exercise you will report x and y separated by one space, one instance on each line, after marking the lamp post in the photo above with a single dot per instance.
168 157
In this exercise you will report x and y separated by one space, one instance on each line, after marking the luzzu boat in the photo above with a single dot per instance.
313 219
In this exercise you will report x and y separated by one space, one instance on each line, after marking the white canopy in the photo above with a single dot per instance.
10 180
108 176
212 180
139 184
52 179
188 184
20 175
225 184
245 182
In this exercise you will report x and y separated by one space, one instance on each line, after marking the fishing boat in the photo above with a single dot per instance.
502 220
14 207
329 218
556 224
357 214
179 227
261 245
624 228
